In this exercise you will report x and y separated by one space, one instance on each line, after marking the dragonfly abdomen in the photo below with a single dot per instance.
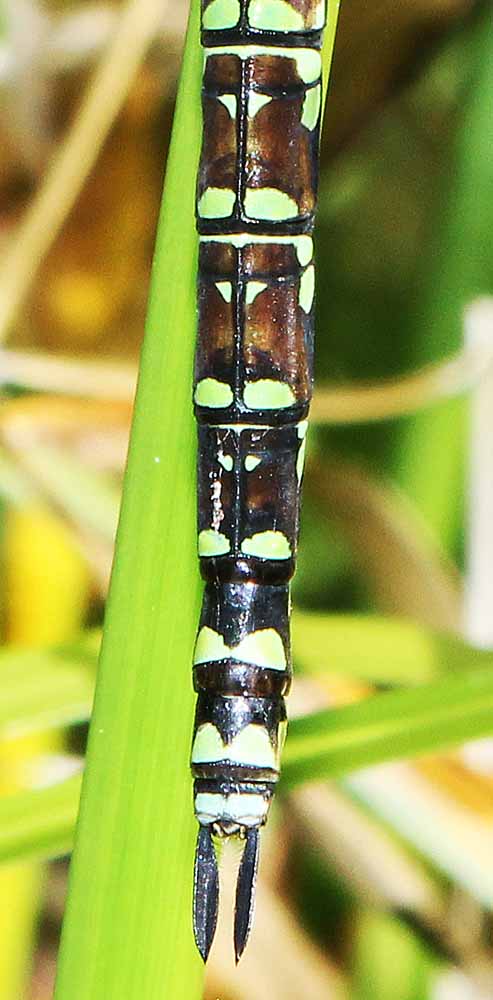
256 196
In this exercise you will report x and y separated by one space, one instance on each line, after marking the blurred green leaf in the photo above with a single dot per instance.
90 499
39 823
14 484
380 650
430 461
405 977
41 689
389 726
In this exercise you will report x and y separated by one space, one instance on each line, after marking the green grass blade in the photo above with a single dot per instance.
127 930
390 726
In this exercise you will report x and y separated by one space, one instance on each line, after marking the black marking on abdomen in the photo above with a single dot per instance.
232 678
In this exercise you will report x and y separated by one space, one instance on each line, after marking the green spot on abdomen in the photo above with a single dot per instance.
256 102
269 204
282 731
221 14
213 543
309 64
304 249
210 646
229 102
311 107
300 460
253 289
210 392
267 545
208 747
307 289
251 747
252 462
225 289
226 461
216 203
268 394
274 15
263 648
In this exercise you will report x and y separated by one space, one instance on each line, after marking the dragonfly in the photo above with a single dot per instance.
256 200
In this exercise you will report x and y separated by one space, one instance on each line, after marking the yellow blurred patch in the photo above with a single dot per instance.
46 577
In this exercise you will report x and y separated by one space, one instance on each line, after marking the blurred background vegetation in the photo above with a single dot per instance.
379 885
